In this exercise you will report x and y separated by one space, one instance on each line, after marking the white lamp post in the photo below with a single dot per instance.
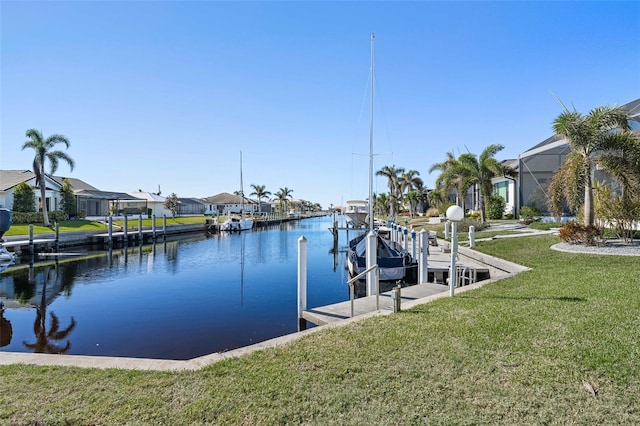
454 214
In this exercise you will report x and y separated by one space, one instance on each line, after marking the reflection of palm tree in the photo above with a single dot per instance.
44 339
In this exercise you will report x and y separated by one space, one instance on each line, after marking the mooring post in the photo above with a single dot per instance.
397 298
153 227
472 236
371 257
446 230
406 239
140 229
302 281
110 230
414 243
423 268
126 234
31 248
57 240
164 226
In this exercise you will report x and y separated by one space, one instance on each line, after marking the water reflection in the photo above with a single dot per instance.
172 299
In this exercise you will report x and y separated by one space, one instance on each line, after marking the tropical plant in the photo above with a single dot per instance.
24 198
260 192
449 179
172 203
393 181
480 170
68 199
601 138
283 196
616 211
44 148
381 204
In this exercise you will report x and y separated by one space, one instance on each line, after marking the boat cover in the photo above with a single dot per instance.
391 262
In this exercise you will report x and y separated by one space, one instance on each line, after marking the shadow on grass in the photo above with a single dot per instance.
560 299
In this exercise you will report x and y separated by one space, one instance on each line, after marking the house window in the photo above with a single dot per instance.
502 189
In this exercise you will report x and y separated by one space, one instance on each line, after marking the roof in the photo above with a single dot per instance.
10 178
106 195
149 196
556 145
190 201
226 198
76 184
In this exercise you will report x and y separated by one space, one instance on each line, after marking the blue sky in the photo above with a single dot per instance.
167 93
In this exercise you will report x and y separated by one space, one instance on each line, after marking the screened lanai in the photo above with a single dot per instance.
538 165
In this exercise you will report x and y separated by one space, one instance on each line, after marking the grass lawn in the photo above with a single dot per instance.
524 350
87 225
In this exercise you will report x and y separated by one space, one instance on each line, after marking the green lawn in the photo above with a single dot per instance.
87 225
523 350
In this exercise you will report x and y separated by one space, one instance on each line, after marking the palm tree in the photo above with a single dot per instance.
601 138
449 178
393 179
381 204
44 150
282 196
480 170
260 192
410 181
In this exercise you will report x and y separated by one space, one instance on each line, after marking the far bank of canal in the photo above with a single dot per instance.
172 300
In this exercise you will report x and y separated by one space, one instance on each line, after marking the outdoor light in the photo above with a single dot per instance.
454 214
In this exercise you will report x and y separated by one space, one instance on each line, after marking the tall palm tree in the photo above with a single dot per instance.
601 138
410 181
480 170
283 195
393 180
449 178
44 149
260 192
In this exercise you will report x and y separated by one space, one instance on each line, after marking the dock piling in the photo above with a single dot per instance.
302 281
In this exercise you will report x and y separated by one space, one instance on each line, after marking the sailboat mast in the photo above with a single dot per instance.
241 186
371 142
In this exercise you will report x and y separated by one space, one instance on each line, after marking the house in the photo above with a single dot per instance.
538 164
506 187
9 179
225 203
191 206
145 203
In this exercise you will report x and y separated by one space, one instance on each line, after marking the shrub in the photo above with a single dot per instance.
433 212
24 199
495 206
20 218
574 232
509 216
529 214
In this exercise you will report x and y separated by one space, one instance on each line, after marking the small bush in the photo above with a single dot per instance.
433 212
495 207
574 232
509 216
529 214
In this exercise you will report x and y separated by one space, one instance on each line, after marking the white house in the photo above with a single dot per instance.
9 179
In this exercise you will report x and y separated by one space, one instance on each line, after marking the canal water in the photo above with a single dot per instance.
172 300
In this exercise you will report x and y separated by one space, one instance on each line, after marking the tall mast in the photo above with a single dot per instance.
241 186
371 143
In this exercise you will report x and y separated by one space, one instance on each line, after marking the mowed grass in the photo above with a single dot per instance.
525 350
88 226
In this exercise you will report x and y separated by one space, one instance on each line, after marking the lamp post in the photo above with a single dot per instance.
454 214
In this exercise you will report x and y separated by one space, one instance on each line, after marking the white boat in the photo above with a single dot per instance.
391 259
240 223
356 213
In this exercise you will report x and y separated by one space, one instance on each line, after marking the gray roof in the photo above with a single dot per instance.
190 201
632 108
10 178
106 195
226 198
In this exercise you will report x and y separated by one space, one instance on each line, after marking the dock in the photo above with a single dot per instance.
363 305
